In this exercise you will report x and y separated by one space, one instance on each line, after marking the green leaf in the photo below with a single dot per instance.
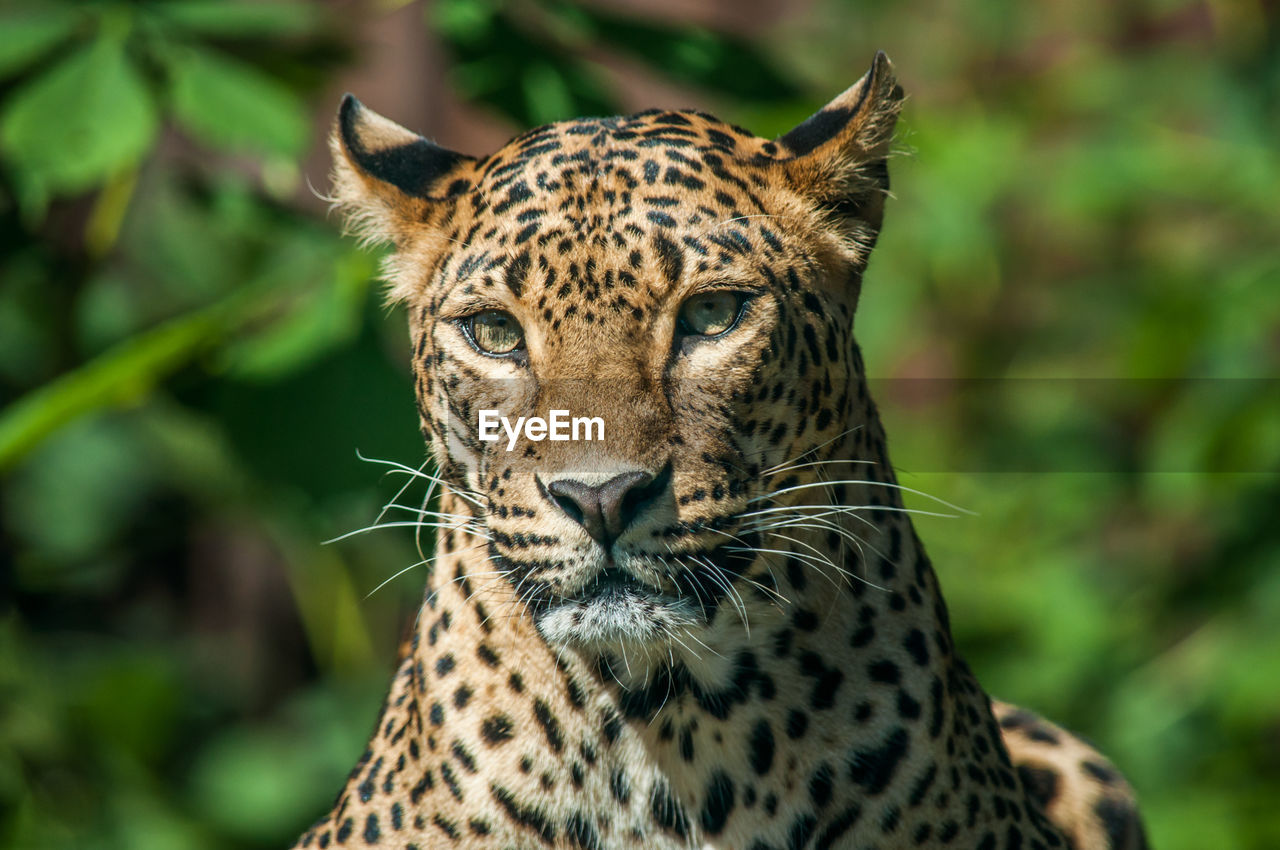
121 374
325 311
462 20
239 17
232 105
83 121
29 33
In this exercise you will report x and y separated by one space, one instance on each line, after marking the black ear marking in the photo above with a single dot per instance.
852 118
820 127
391 154
838 159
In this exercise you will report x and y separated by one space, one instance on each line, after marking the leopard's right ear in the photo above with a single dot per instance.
386 178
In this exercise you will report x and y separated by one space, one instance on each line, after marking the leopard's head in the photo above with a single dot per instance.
674 282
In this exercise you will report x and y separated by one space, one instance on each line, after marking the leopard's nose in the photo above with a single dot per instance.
605 510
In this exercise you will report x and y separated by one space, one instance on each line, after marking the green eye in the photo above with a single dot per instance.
495 332
711 313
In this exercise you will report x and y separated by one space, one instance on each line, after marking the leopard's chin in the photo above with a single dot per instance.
617 611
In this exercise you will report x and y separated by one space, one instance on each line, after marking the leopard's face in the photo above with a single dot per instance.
612 290
678 294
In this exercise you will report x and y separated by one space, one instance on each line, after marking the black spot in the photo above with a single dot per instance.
862 636
761 748
782 643
620 787
573 691
527 817
550 725
795 574
718 804
446 826
915 644
873 768
371 830
1043 734
885 672
889 820
800 832
661 219
463 755
612 727
922 785
451 780
1104 773
671 257
581 833
517 272
824 690
1017 719
838 827
667 812
686 744
525 233
518 193
1041 783
820 785
416 792
935 707
805 620
365 788
1118 819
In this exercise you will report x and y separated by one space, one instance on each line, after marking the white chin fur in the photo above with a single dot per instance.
613 620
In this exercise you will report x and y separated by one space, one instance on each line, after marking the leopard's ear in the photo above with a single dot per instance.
838 156
387 178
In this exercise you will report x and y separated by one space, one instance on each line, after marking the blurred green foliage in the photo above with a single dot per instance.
1073 322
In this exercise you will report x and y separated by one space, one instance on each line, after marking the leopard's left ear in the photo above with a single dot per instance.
387 179
838 156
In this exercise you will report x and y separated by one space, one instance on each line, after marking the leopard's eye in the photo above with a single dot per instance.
495 332
711 313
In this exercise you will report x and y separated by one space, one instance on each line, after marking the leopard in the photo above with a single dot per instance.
716 626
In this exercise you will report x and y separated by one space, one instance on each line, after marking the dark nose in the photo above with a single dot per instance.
606 510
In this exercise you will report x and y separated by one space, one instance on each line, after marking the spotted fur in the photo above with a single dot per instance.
759 655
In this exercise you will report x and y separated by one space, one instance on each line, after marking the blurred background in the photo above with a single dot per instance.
1072 322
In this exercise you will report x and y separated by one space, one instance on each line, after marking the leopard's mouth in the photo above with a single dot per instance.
617 608
614 609
612 583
